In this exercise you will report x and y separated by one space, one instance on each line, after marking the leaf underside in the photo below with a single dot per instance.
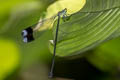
96 23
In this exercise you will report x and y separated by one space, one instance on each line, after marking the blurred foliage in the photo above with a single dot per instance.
9 57
106 56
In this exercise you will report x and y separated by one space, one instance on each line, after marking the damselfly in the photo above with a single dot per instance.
27 34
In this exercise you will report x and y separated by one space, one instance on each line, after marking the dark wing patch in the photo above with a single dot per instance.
27 35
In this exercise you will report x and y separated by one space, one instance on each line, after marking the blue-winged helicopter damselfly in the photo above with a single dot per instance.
28 36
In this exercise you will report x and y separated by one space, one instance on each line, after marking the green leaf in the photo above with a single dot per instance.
96 23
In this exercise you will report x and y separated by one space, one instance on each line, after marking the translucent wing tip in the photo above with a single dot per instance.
27 35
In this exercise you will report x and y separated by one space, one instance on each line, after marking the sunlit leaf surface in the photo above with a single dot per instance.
71 5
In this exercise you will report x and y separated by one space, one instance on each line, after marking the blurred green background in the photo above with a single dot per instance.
20 61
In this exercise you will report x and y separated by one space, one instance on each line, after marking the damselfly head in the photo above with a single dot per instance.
27 35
